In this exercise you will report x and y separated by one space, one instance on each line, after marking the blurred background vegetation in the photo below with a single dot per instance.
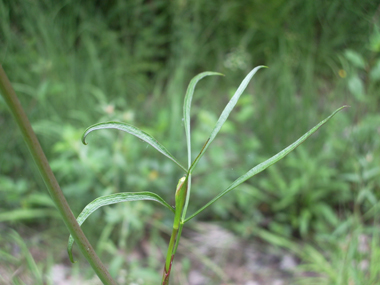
76 63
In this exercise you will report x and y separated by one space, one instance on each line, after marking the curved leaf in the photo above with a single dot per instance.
186 116
264 165
133 131
226 112
113 199
187 106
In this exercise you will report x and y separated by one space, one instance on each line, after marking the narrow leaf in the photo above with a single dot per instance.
186 116
187 106
133 131
113 199
264 165
226 112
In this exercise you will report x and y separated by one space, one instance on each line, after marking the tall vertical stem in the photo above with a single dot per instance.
51 183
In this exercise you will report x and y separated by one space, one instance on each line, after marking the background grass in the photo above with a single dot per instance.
77 63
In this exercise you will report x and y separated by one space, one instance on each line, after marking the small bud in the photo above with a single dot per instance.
179 185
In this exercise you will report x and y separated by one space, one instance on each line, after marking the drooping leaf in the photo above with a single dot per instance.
226 112
264 165
113 199
133 131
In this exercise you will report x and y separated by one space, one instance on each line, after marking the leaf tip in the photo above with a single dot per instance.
71 256
84 138
342 108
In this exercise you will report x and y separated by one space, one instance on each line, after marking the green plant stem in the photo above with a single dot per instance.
51 183
169 257
180 197
183 217
178 237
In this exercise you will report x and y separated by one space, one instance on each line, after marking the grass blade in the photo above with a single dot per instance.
31 263
226 112
264 165
113 199
133 131
187 107
186 116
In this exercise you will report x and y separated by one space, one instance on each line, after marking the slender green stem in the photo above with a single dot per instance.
183 217
178 237
51 183
171 246
180 197
169 257
172 249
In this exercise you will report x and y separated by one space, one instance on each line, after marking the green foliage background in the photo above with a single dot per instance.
75 63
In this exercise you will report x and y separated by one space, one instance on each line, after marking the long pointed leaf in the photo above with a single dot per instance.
113 199
226 112
186 116
133 131
187 106
264 165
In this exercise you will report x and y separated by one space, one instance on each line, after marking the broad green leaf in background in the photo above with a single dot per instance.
356 86
113 199
375 71
264 165
133 131
226 112
355 58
